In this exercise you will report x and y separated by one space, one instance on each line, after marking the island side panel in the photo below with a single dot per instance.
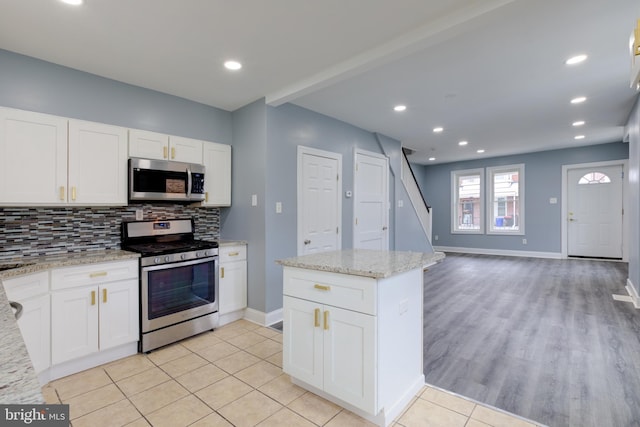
400 331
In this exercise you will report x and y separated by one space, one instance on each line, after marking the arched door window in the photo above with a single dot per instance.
594 178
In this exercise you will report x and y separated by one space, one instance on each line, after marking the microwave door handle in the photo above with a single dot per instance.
188 182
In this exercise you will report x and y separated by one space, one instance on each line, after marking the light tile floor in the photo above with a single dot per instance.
233 377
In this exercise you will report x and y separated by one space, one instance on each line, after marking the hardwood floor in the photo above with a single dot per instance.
540 338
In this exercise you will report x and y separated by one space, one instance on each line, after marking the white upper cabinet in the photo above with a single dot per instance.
185 149
217 175
148 145
33 158
152 145
50 160
97 164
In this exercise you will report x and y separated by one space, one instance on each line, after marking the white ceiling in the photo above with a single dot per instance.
491 72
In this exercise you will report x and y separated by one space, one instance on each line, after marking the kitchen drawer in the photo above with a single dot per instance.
71 277
30 285
232 253
339 290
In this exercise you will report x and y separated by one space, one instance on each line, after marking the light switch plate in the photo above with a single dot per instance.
254 200
278 207
139 214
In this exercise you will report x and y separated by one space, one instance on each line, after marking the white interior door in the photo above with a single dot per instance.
371 201
595 212
319 201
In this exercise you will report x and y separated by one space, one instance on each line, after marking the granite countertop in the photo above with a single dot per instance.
36 264
364 262
18 381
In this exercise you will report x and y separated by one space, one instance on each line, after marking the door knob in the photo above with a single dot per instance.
306 242
384 228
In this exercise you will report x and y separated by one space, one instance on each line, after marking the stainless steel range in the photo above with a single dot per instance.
178 280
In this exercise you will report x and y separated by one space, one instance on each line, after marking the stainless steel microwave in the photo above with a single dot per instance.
163 180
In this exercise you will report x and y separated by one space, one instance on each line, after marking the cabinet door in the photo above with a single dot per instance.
33 158
217 177
185 150
233 286
349 357
148 145
97 164
302 347
74 323
118 313
34 325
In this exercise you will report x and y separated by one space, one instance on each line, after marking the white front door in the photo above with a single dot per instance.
371 201
319 201
595 212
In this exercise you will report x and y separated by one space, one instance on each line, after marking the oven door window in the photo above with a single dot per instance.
176 289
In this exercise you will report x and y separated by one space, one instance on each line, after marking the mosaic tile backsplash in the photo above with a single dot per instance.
31 232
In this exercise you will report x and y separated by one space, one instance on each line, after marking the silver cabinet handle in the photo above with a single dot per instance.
306 242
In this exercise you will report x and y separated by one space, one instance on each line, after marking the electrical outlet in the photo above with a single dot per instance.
139 214
278 207
254 200
435 237
524 241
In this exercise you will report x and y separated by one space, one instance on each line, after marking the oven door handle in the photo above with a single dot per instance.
181 264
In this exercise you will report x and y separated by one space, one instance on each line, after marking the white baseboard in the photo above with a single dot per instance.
501 252
635 298
264 319
223 319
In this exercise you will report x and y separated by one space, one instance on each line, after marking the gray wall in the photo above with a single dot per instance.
34 85
264 148
289 126
543 180
633 128
241 220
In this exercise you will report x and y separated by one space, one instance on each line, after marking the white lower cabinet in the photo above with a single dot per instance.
232 278
355 340
93 308
331 348
32 292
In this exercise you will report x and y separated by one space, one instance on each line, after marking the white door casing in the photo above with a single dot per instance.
319 200
593 221
371 201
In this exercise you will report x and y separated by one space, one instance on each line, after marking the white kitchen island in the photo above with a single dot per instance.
353 328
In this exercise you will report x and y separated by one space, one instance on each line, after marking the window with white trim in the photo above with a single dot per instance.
505 199
468 201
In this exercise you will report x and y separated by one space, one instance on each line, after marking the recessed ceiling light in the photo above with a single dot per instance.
438 129
576 59
578 123
480 151
232 65
73 2
431 159
579 137
463 143
578 100
400 108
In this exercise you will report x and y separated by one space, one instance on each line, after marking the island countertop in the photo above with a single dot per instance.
363 262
